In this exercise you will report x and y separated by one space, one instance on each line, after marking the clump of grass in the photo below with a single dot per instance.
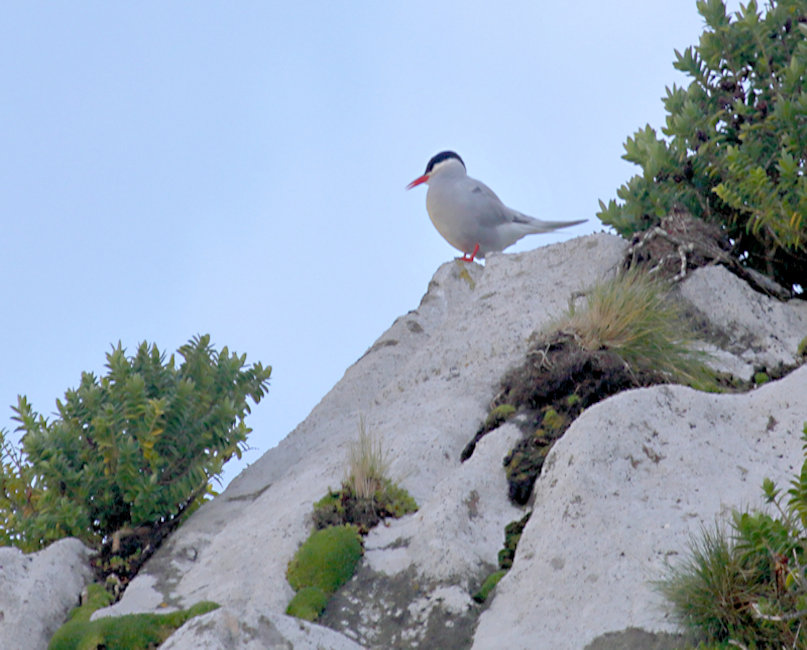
633 316
708 590
367 494
368 464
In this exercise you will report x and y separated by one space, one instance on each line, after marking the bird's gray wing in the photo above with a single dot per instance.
491 211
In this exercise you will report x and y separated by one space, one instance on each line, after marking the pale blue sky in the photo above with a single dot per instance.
238 168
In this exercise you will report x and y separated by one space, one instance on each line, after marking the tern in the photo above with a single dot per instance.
469 215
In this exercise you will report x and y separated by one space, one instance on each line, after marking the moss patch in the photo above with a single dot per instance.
761 378
327 559
97 597
489 585
512 536
308 603
130 632
498 415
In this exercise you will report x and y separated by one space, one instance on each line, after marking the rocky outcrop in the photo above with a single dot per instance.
621 492
38 590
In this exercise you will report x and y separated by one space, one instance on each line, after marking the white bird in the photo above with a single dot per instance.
469 215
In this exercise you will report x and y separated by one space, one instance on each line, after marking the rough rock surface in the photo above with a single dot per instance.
619 497
253 630
425 386
759 331
654 457
37 591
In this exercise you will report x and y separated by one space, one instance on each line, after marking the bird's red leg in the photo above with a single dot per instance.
466 258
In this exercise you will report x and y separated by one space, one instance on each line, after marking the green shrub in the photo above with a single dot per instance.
327 559
735 145
134 448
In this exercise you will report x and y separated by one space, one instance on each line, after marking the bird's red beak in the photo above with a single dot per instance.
418 181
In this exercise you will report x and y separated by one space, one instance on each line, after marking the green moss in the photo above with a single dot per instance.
327 559
801 350
500 414
552 420
489 585
761 378
308 603
512 536
130 632
573 400
97 597
329 511
396 501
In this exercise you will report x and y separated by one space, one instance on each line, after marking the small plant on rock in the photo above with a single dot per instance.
367 494
330 555
632 316
512 536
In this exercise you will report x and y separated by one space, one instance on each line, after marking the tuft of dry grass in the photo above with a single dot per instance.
632 315
367 464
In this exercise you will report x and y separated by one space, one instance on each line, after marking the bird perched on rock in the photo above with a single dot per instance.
469 215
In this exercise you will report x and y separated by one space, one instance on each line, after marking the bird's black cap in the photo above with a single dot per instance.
440 157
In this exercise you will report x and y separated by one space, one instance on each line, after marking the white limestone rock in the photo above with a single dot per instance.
620 495
254 630
425 386
37 590
758 330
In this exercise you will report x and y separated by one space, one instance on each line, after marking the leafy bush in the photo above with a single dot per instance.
134 448
750 589
735 145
